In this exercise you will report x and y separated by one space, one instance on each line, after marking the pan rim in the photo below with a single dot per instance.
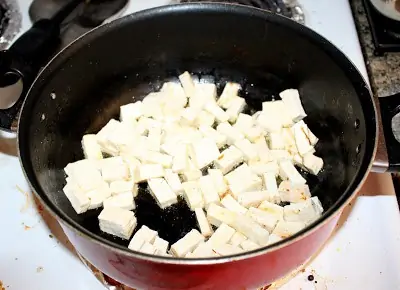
311 35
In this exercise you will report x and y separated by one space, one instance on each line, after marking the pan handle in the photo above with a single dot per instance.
389 135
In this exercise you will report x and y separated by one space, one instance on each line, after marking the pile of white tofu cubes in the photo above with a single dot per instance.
233 169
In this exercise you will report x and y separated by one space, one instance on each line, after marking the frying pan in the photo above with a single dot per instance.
83 87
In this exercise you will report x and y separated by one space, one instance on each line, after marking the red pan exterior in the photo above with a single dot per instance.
250 273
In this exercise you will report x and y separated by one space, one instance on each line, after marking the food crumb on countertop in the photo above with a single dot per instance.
2 286
39 269
27 199
51 236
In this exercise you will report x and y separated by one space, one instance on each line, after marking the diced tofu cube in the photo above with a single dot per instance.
285 229
287 171
242 179
293 104
265 219
302 142
78 199
249 245
158 158
217 137
204 92
189 115
104 135
270 184
271 118
154 139
251 229
146 124
230 203
235 108
272 209
175 95
120 186
289 141
292 192
274 239
317 205
262 150
114 168
131 112
204 250
191 173
174 181
180 161
149 171
218 181
254 133
205 227
237 239
278 155
253 198
231 133
276 141
187 244
261 168
133 163
117 222
205 151
217 215
278 109
193 195
248 149
84 174
152 105
161 245
301 212
228 159
148 248
229 93
122 200
204 119
144 234
161 192
313 140
91 149
312 163
121 138
221 236
227 249
244 123
209 191
98 196
187 84
220 115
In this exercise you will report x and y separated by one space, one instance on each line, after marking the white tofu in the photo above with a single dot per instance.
227 249
149 171
103 137
131 112
193 195
230 203
242 179
189 115
301 212
289 141
152 105
217 215
277 155
274 239
268 221
154 139
180 161
120 186
170 147
292 192
253 198
78 199
161 245
145 124
237 239
302 143
312 163
217 137
191 173
84 174
187 244
218 181
220 115
221 236
254 133
209 191
293 104
158 158
228 159
236 106
91 149
262 150
313 140
174 181
144 234
272 209
261 168
204 92
251 229
114 168
175 97
204 250
133 163
205 151
285 229
229 93
148 248
117 222
205 227
287 171
271 119
121 138
232 134
249 245
187 84
317 205
161 192
248 149
98 196
244 123
278 109
276 141
123 200
270 183
204 118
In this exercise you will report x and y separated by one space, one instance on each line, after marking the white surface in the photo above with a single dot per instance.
363 253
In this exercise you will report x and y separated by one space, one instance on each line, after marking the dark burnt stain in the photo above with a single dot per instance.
310 278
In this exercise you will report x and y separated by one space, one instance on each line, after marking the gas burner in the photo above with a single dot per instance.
10 22
288 8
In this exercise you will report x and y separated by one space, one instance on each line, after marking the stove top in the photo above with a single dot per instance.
10 22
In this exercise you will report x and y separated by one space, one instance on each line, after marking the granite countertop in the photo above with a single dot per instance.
383 70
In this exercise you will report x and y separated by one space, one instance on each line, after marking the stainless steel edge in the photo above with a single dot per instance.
381 159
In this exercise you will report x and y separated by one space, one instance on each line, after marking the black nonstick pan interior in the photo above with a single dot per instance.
131 57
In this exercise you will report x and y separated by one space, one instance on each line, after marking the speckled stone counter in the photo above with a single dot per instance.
384 71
